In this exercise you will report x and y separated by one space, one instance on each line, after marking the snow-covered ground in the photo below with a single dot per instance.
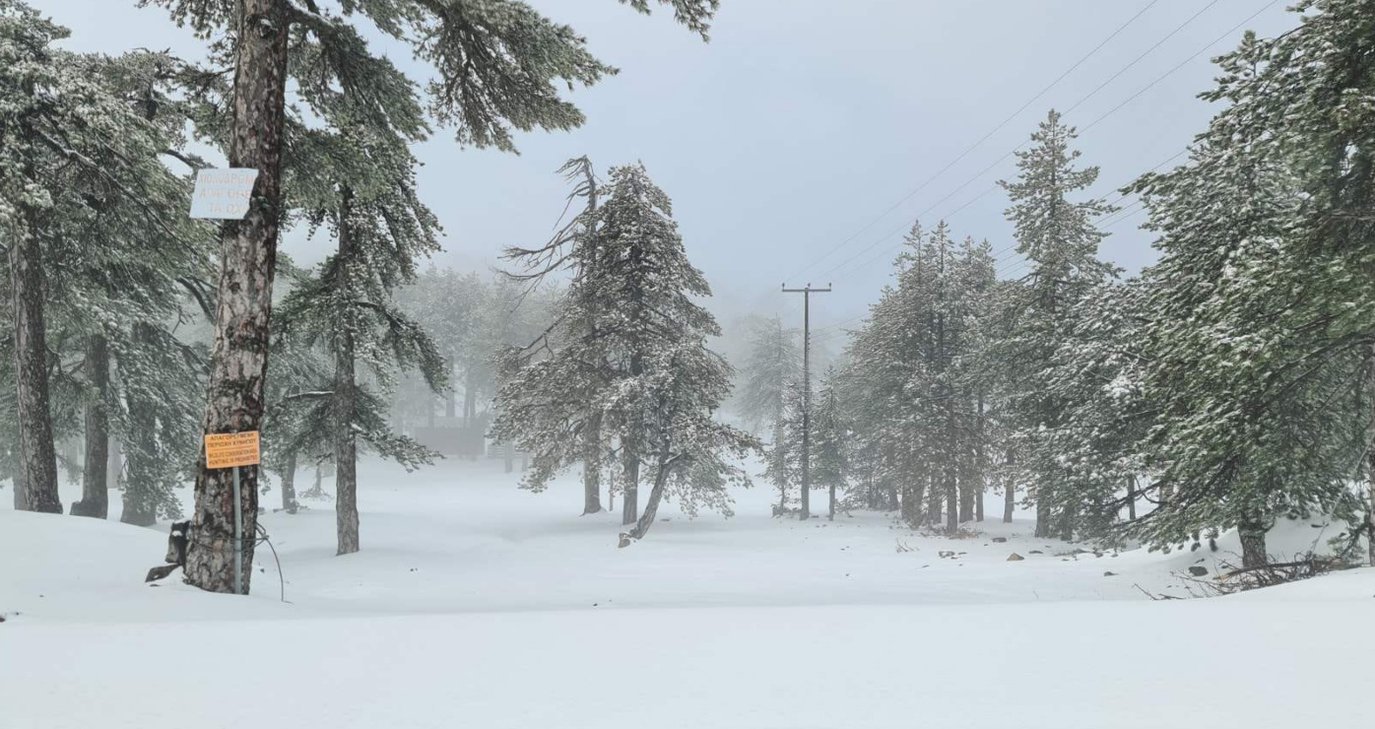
474 604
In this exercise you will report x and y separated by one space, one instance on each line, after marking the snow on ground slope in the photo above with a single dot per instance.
475 604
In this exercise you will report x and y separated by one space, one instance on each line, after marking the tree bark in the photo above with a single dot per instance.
592 466
345 394
248 257
95 489
289 503
1251 529
37 452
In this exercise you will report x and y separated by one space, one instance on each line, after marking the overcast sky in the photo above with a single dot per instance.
804 128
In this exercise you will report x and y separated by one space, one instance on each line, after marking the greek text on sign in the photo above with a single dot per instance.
223 194
228 450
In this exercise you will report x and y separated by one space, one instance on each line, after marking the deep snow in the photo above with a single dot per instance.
476 604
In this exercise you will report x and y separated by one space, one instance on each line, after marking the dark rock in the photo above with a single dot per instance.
1197 571
1109 573
1000 540
1035 551
1014 557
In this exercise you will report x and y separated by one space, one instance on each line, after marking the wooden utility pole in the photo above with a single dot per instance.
806 292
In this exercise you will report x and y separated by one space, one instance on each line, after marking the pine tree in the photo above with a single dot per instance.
630 352
830 456
1259 308
1058 236
496 62
81 181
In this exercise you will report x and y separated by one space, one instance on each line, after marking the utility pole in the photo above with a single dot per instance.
806 292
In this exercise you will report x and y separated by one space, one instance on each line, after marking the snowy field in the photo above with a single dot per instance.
474 604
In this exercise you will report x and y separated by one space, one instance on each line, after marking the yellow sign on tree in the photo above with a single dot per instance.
229 450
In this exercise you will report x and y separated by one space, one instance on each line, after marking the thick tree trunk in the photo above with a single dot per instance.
140 498
95 490
592 466
1251 529
345 395
509 451
289 502
248 257
37 453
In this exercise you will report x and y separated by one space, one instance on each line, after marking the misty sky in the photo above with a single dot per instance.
803 121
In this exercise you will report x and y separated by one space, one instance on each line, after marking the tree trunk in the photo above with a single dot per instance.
1370 522
1042 514
248 257
289 502
140 498
952 506
656 494
630 473
1009 491
345 393
979 477
1067 519
592 466
1131 498
116 465
21 494
37 452
509 451
95 490
1251 529
967 501
934 501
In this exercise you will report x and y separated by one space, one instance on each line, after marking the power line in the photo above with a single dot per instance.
982 139
1102 117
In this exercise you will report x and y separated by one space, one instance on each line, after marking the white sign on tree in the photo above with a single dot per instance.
223 194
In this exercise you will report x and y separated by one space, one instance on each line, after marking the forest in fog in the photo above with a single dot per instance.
234 341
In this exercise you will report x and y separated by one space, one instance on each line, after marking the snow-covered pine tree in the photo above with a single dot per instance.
497 64
1057 235
358 179
773 360
646 375
783 455
573 249
831 443
1260 309
82 182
